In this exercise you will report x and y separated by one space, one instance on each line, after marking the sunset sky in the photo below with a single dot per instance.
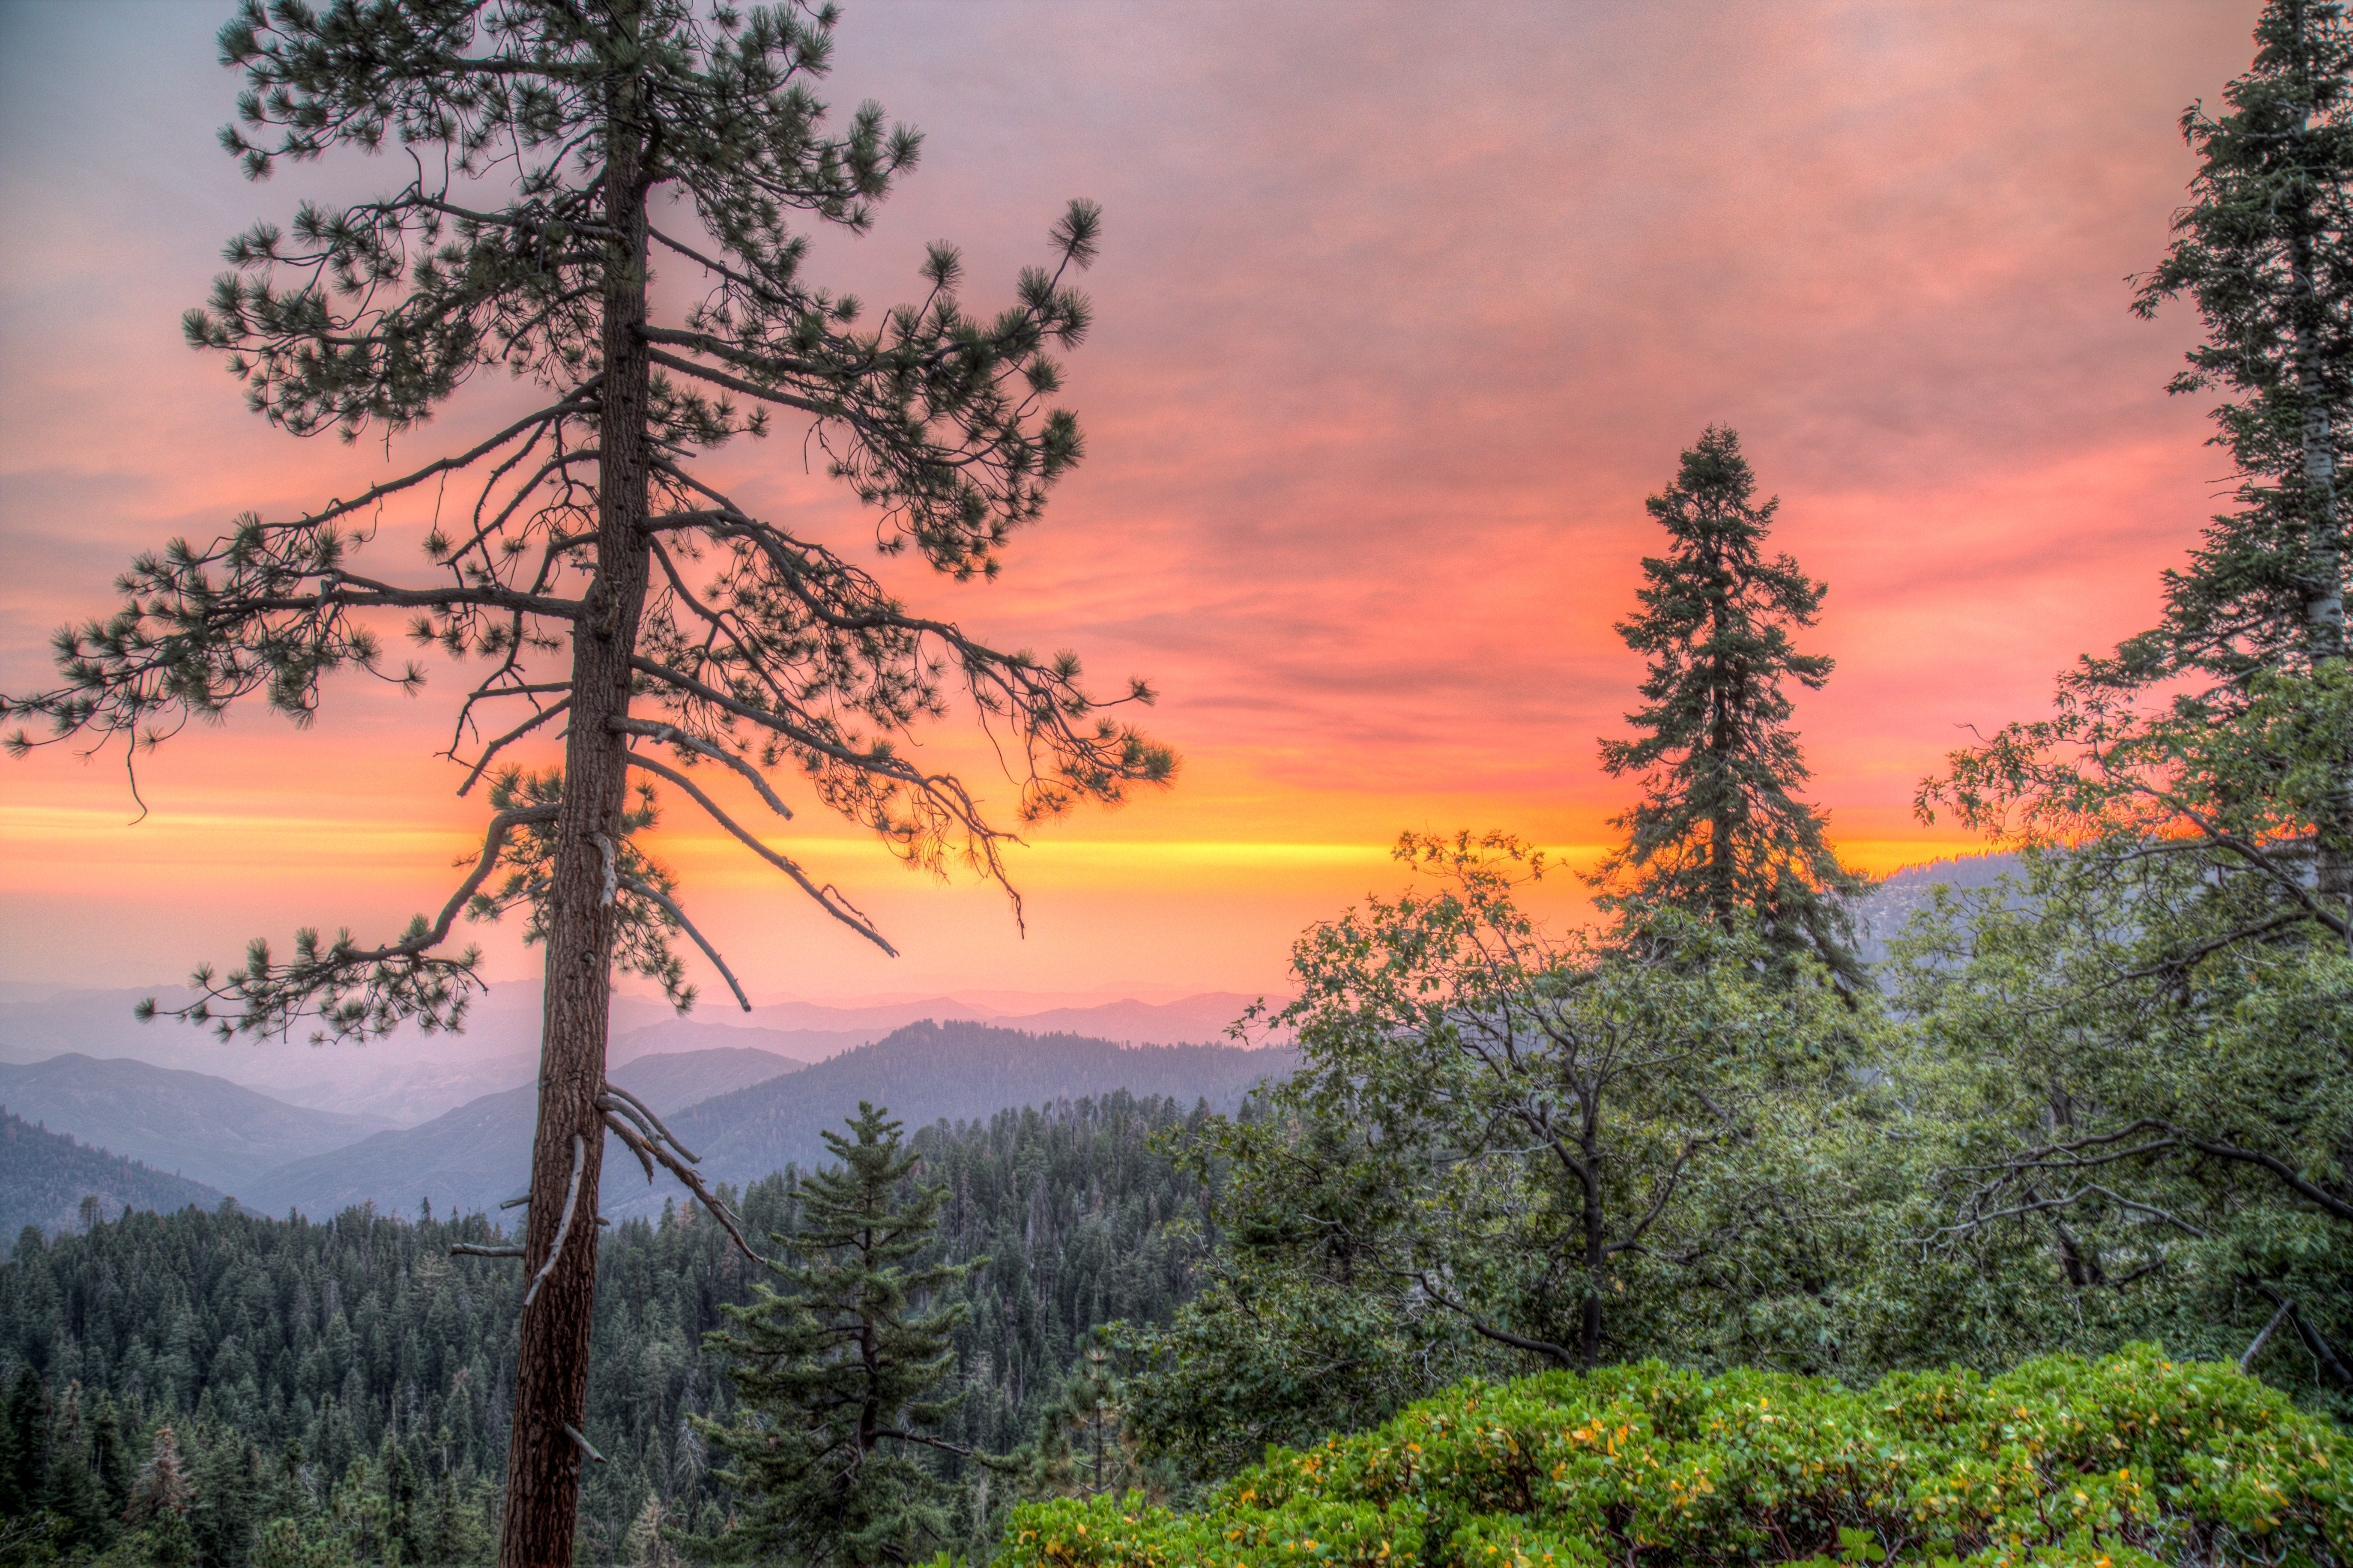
1402 311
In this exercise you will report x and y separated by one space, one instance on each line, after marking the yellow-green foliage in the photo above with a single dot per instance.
2090 1465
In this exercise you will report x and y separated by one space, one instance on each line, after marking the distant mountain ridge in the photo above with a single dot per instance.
205 1128
927 1072
1897 897
45 1176
410 1078
473 1157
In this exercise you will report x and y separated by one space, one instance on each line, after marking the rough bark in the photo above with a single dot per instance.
544 1462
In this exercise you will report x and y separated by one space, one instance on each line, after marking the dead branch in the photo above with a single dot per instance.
517 733
709 952
691 1157
563 1226
671 734
2286 1310
687 1175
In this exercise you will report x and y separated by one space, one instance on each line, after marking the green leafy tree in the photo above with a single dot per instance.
2153 1030
2153 1022
577 553
1499 1147
1721 829
839 1379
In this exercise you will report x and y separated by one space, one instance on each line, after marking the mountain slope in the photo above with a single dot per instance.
45 1176
205 1128
1880 913
474 1156
927 1072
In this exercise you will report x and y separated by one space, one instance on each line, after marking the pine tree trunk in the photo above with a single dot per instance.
544 1462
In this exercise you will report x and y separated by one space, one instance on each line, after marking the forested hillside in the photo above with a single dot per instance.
46 1176
354 1373
927 1071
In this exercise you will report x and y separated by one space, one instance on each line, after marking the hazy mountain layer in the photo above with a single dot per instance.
1880 913
409 1077
476 1155
927 1072
205 1128
480 1153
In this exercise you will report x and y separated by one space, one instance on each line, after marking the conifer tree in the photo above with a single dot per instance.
25 1446
226 1495
110 1461
73 1486
841 1375
2265 249
1083 1449
1721 829
554 155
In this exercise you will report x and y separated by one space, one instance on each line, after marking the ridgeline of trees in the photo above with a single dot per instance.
52 1179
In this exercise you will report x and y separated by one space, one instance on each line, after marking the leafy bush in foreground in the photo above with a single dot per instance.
2113 1464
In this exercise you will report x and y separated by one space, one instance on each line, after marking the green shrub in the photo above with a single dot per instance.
2120 1463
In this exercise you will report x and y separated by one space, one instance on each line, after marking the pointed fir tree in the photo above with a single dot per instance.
1721 830
837 1380
73 1485
550 157
110 1461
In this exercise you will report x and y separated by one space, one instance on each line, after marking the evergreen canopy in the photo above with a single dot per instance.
838 1379
2261 250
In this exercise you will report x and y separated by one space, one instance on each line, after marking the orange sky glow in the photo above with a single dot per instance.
1401 312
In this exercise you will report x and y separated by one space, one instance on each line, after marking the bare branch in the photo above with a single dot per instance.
2286 1310
687 1174
671 734
691 1157
1486 1330
564 1224
709 952
517 733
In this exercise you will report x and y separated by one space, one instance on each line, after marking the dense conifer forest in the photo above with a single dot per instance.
353 1376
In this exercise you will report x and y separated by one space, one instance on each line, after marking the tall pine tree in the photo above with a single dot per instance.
839 1378
553 154
1720 829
